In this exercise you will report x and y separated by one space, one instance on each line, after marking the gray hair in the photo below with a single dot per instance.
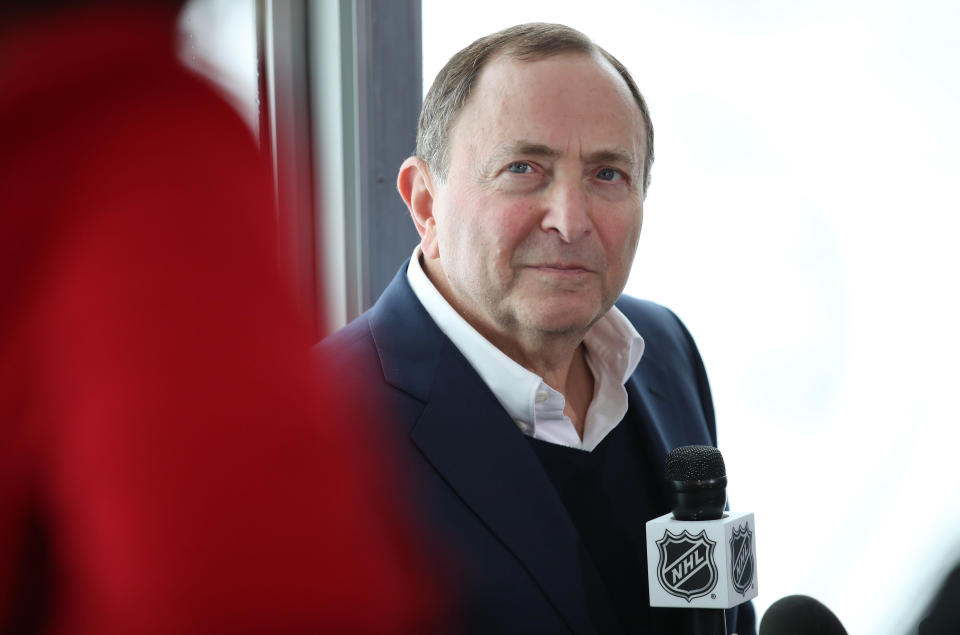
525 42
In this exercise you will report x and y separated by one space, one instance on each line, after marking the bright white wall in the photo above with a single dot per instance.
802 221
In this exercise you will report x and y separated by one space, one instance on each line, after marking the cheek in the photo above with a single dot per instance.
502 228
620 236
456 222
512 229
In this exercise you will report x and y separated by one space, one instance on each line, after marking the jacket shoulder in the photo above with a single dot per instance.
670 354
660 327
645 311
347 338
352 350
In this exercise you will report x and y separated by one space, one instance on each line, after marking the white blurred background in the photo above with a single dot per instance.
802 221
219 41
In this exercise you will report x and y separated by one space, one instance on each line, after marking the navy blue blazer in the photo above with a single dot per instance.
494 518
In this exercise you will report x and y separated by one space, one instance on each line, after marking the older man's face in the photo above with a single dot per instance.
538 220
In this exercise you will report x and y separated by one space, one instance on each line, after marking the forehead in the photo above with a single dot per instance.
570 98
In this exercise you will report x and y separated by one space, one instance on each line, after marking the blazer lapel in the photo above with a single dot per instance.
471 441
664 421
648 410
468 437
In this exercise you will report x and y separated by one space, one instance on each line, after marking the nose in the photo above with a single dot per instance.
567 210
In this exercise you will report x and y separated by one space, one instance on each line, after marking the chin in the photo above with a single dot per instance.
561 322
558 313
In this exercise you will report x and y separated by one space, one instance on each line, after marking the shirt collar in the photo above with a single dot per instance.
614 350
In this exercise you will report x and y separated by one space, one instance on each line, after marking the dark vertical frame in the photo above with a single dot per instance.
389 71
288 112
264 104
377 85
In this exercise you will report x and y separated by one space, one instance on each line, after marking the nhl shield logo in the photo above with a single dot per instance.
687 568
741 557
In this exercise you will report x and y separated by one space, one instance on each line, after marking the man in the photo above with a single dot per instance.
533 415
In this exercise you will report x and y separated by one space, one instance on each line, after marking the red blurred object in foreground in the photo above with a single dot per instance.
166 462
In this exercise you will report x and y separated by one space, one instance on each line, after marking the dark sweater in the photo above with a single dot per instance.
610 494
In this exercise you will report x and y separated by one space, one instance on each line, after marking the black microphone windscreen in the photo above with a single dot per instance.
800 615
694 463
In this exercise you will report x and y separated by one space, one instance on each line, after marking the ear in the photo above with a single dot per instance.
417 190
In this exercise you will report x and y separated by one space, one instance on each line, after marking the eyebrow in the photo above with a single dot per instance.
522 147
615 155
620 156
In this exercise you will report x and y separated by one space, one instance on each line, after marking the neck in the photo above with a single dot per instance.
551 356
557 357
562 364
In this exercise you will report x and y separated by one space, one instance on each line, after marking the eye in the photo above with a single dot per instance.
608 174
520 167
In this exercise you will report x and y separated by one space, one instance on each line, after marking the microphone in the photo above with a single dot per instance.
699 557
800 615
697 481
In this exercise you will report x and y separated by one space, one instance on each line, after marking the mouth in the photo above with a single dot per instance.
562 268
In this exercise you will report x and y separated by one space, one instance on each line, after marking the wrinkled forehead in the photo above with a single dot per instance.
509 60
548 100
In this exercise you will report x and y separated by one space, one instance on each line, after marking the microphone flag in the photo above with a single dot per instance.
704 564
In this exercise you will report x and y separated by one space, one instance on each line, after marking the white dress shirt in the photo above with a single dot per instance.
613 350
